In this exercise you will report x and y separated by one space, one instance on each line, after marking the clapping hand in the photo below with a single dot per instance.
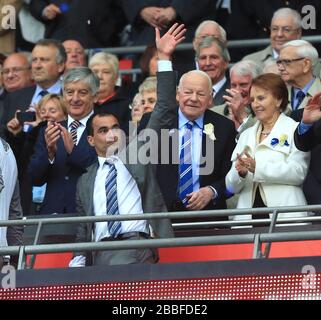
312 112
169 41
245 164
236 105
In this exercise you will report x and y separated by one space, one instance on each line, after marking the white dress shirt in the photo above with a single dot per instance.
129 202
128 196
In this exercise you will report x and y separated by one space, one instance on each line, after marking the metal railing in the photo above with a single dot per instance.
246 43
234 44
257 239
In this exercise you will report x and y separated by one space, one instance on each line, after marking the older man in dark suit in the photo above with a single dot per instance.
115 187
201 133
61 151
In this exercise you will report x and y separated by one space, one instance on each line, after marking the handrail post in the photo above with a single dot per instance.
257 253
271 230
35 242
21 259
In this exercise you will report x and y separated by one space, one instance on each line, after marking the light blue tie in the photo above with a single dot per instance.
114 227
185 166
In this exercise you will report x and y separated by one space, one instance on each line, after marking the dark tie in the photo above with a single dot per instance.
73 130
1 181
43 93
114 227
185 164
300 95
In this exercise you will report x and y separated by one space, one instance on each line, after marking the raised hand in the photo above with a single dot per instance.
312 112
167 44
236 105
66 138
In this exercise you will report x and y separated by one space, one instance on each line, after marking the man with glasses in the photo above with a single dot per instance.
285 26
16 72
295 63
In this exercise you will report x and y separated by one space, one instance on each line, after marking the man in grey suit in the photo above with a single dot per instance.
136 188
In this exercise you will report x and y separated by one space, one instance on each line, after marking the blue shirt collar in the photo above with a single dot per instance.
182 120
56 88
305 89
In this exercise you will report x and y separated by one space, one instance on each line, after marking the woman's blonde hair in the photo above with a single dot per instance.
53 96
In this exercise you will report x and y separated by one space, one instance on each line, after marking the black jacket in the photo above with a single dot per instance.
94 23
118 106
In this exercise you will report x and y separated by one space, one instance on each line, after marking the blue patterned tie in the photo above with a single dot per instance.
114 227
299 97
185 166
73 130
43 93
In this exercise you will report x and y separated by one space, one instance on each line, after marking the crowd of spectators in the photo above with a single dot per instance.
242 127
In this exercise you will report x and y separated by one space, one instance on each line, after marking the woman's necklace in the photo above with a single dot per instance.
265 134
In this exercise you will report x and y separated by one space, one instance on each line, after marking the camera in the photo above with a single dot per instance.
27 116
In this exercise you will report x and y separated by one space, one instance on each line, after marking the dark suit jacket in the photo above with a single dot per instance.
144 175
94 23
167 174
2 97
61 176
218 98
189 12
311 141
119 107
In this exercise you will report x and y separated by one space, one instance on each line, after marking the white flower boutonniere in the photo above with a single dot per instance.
209 131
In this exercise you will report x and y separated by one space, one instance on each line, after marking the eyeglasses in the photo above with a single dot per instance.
287 62
14 70
286 30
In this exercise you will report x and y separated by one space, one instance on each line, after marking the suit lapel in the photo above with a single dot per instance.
90 185
206 141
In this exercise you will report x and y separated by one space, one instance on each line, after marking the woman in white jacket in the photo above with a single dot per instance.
268 170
